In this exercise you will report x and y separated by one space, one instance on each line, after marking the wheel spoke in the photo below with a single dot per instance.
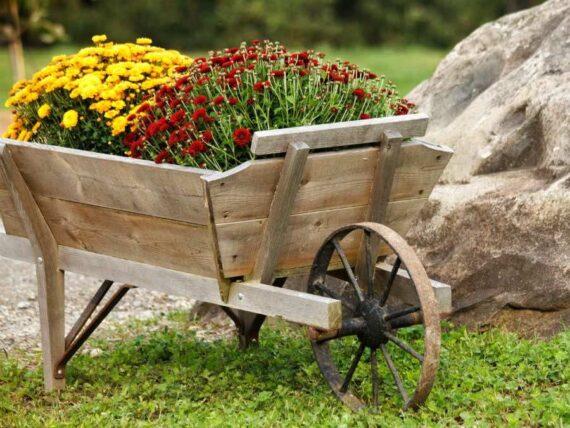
401 313
334 295
391 279
369 267
352 368
395 374
348 269
374 370
403 345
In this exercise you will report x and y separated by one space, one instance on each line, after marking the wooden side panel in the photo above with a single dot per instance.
239 242
124 184
10 218
331 180
152 240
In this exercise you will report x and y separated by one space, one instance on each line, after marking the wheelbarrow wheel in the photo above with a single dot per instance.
377 325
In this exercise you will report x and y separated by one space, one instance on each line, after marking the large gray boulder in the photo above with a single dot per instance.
498 227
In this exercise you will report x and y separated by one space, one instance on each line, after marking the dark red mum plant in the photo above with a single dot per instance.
207 118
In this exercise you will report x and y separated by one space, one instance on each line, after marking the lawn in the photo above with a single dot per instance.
406 66
167 377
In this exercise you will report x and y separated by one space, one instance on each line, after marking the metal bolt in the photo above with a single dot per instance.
240 296
40 260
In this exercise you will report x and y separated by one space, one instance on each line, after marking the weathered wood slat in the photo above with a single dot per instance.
152 240
380 191
50 279
331 180
259 298
338 134
239 242
113 182
276 225
404 290
10 218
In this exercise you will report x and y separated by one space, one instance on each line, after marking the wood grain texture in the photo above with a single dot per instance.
113 182
340 134
330 180
275 227
10 218
50 279
381 188
239 242
253 297
152 240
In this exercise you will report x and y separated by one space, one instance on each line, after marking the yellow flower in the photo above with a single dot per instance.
36 127
44 111
119 123
144 41
69 119
99 39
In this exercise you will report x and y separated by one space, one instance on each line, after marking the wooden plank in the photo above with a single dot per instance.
258 298
388 155
113 182
152 240
240 241
10 217
404 290
340 134
16 248
50 279
330 180
275 227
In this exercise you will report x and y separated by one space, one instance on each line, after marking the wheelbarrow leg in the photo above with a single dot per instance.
248 323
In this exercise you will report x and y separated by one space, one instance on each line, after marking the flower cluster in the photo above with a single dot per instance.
83 100
208 116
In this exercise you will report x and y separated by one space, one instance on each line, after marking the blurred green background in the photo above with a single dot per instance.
404 39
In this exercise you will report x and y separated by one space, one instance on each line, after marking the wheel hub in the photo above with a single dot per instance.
373 335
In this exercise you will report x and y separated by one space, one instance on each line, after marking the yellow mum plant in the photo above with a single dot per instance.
83 100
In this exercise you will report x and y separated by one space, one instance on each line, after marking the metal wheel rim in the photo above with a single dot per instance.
428 304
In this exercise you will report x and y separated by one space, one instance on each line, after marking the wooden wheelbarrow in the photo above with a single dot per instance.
328 200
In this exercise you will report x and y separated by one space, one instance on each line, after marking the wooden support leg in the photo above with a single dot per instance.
52 321
249 323
50 278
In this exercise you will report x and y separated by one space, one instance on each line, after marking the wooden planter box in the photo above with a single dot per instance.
216 237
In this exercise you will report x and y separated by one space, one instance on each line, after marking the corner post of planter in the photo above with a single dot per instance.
388 154
50 277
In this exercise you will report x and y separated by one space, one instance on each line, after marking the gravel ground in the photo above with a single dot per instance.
19 319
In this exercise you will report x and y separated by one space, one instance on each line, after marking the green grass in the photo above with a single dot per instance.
169 378
407 66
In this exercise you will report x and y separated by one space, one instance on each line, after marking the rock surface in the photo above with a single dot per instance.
498 227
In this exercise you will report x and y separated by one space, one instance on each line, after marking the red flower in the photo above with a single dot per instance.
242 137
200 113
175 102
182 81
260 86
364 116
232 50
173 139
278 74
252 56
207 136
228 64
255 42
200 99
218 100
181 68
250 101
177 116
162 124
131 117
202 81
163 156
196 148
204 68
232 101
238 58
359 93
372 76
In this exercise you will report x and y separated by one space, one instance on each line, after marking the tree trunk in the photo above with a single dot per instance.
15 46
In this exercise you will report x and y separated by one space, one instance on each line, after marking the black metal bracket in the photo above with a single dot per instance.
249 323
80 332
